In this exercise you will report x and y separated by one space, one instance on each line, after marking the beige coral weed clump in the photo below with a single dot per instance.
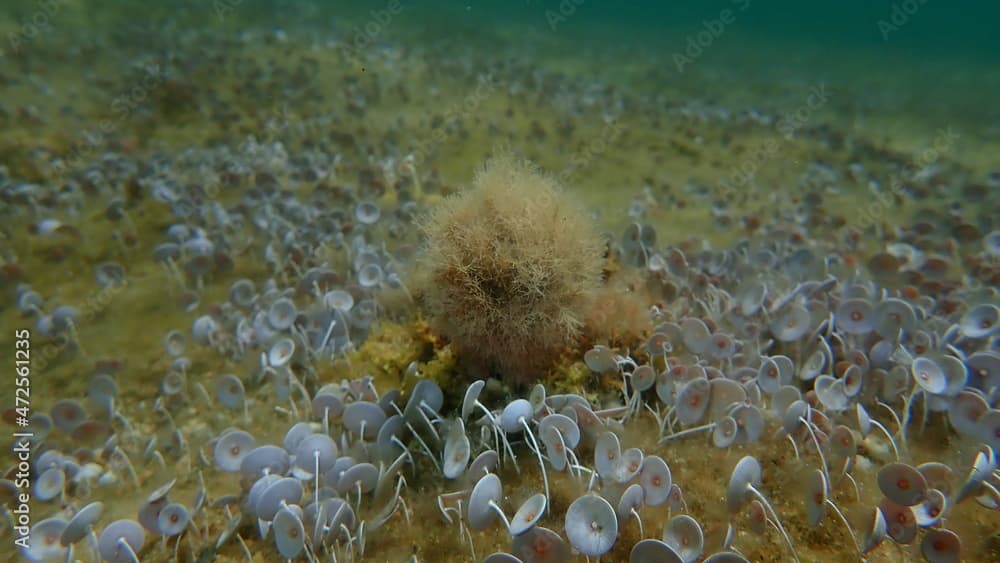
509 268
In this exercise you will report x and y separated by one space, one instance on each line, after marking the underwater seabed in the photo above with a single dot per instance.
256 336
732 360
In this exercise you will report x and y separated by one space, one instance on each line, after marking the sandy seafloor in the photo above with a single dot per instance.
676 134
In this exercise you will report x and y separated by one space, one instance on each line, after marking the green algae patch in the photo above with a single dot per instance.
385 354
391 349
568 377
442 369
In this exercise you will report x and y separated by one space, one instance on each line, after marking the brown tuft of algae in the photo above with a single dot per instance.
509 270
